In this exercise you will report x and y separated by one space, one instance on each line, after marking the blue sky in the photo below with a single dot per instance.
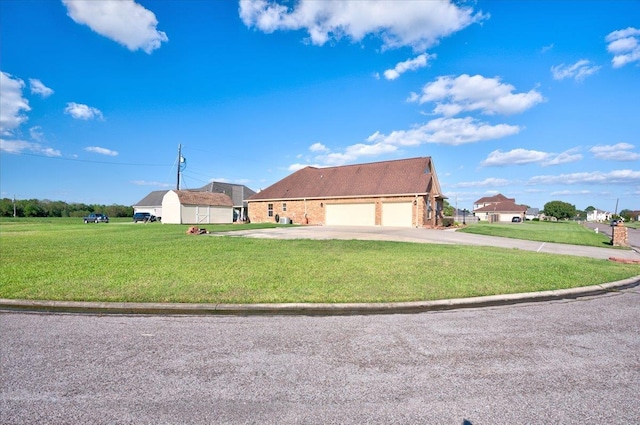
538 100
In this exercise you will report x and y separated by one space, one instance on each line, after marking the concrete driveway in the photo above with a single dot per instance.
419 235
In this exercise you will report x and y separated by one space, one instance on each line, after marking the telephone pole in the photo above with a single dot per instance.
178 167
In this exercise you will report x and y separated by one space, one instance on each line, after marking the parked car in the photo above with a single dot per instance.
96 218
516 220
144 217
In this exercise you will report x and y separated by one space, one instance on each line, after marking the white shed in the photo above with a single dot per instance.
191 207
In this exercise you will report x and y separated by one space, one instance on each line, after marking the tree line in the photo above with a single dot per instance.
46 208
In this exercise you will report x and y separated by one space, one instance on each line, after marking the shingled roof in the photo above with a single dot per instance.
503 207
238 192
494 199
398 177
151 200
188 197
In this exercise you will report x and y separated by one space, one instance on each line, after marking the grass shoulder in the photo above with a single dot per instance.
567 232
161 263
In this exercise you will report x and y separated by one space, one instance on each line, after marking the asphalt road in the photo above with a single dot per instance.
568 362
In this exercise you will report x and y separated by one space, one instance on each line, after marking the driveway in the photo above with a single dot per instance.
419 235
564 362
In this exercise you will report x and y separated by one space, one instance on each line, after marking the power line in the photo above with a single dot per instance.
96 162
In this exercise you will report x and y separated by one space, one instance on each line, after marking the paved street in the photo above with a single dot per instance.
569 362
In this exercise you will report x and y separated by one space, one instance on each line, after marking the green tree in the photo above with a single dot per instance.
447 209
589 208
627 215
560 210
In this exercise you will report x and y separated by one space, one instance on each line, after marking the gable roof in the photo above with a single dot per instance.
398 177
188 197
151 200
503 207
494 199
239 193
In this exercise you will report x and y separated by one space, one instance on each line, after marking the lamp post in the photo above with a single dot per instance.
464 213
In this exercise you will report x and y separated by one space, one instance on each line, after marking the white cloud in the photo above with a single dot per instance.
498 158
414 23
296 167
12 104
520 156
489 182
36 133
20 146
37 87
151 183
570 192
355 152
101 151
318 147
123 21
625 46
475 93
408 65
617 152
82 112
596 177
566 157
578 71
446 131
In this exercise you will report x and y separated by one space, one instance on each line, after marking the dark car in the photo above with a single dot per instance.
144 217
516 220
96 218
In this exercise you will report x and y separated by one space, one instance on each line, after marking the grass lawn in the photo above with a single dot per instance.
62 259
568 232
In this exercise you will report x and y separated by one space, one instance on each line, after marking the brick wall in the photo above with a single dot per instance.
619 235
313 211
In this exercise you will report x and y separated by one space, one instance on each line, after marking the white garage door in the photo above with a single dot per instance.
397 214
351 214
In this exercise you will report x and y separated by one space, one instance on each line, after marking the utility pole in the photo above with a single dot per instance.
178 167
14 205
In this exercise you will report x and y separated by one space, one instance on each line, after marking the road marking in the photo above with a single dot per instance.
541 247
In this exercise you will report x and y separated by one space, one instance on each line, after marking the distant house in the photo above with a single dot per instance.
498 208
194 207
152 203
238 193
532 213
598 215
402 193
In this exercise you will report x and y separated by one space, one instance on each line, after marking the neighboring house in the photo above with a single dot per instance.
237 192
598 215
152 203
498 208
490 200
192 207
532 213
403 193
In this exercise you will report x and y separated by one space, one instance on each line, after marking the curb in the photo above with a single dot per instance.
305 309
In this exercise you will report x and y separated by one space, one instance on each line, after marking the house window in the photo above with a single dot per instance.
284 207
270 210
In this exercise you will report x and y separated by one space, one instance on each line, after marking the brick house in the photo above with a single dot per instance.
404 193
498 208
